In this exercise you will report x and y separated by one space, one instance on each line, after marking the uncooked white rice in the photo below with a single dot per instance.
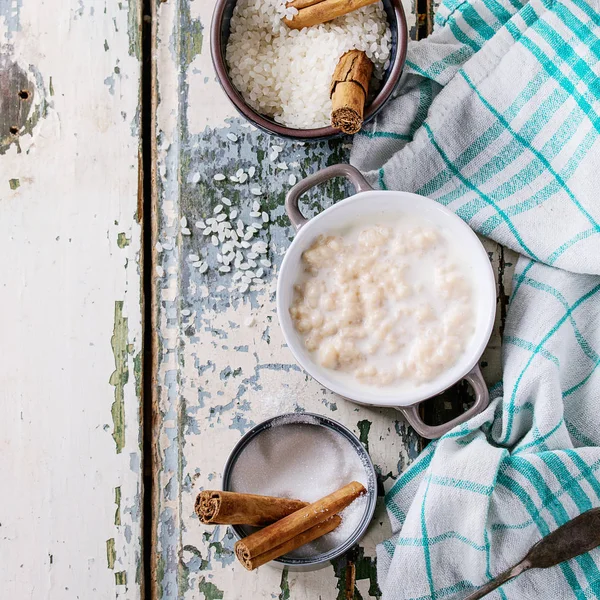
286 73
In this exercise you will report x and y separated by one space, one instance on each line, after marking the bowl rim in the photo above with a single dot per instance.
332 425
360 394
220 66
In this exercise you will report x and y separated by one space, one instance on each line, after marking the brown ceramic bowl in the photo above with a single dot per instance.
219 36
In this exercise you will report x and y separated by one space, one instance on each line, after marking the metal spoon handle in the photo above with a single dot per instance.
495 583
575 537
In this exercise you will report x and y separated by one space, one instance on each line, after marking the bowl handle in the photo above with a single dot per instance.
341 170
482 399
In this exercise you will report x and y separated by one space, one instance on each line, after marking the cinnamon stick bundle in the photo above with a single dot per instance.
349 90
230 508
315 12
272 540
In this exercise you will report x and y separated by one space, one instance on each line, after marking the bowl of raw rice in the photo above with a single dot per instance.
279 78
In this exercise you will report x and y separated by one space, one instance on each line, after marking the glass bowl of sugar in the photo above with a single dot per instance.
305 456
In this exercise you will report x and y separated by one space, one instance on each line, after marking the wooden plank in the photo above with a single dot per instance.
71 342
221 365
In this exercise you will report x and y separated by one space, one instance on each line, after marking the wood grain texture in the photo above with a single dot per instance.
221 363
70 513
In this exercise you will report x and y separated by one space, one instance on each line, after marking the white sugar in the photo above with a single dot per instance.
297 458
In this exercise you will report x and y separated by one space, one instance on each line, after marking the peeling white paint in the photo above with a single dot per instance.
207 103
62 271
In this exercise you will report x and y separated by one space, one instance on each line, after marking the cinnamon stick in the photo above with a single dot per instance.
313 14
304 538
230 508
349 90
293 525
350 580
302 3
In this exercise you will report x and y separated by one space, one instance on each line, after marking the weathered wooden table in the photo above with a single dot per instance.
95 248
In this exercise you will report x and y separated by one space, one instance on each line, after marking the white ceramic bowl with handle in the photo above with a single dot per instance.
374 205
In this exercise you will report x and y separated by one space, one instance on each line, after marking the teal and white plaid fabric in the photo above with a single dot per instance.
499 120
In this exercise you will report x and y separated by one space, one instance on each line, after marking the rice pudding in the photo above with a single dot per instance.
385 303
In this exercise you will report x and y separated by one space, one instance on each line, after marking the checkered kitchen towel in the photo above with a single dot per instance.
499 120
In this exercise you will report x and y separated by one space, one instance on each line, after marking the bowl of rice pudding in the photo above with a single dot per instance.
386 298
